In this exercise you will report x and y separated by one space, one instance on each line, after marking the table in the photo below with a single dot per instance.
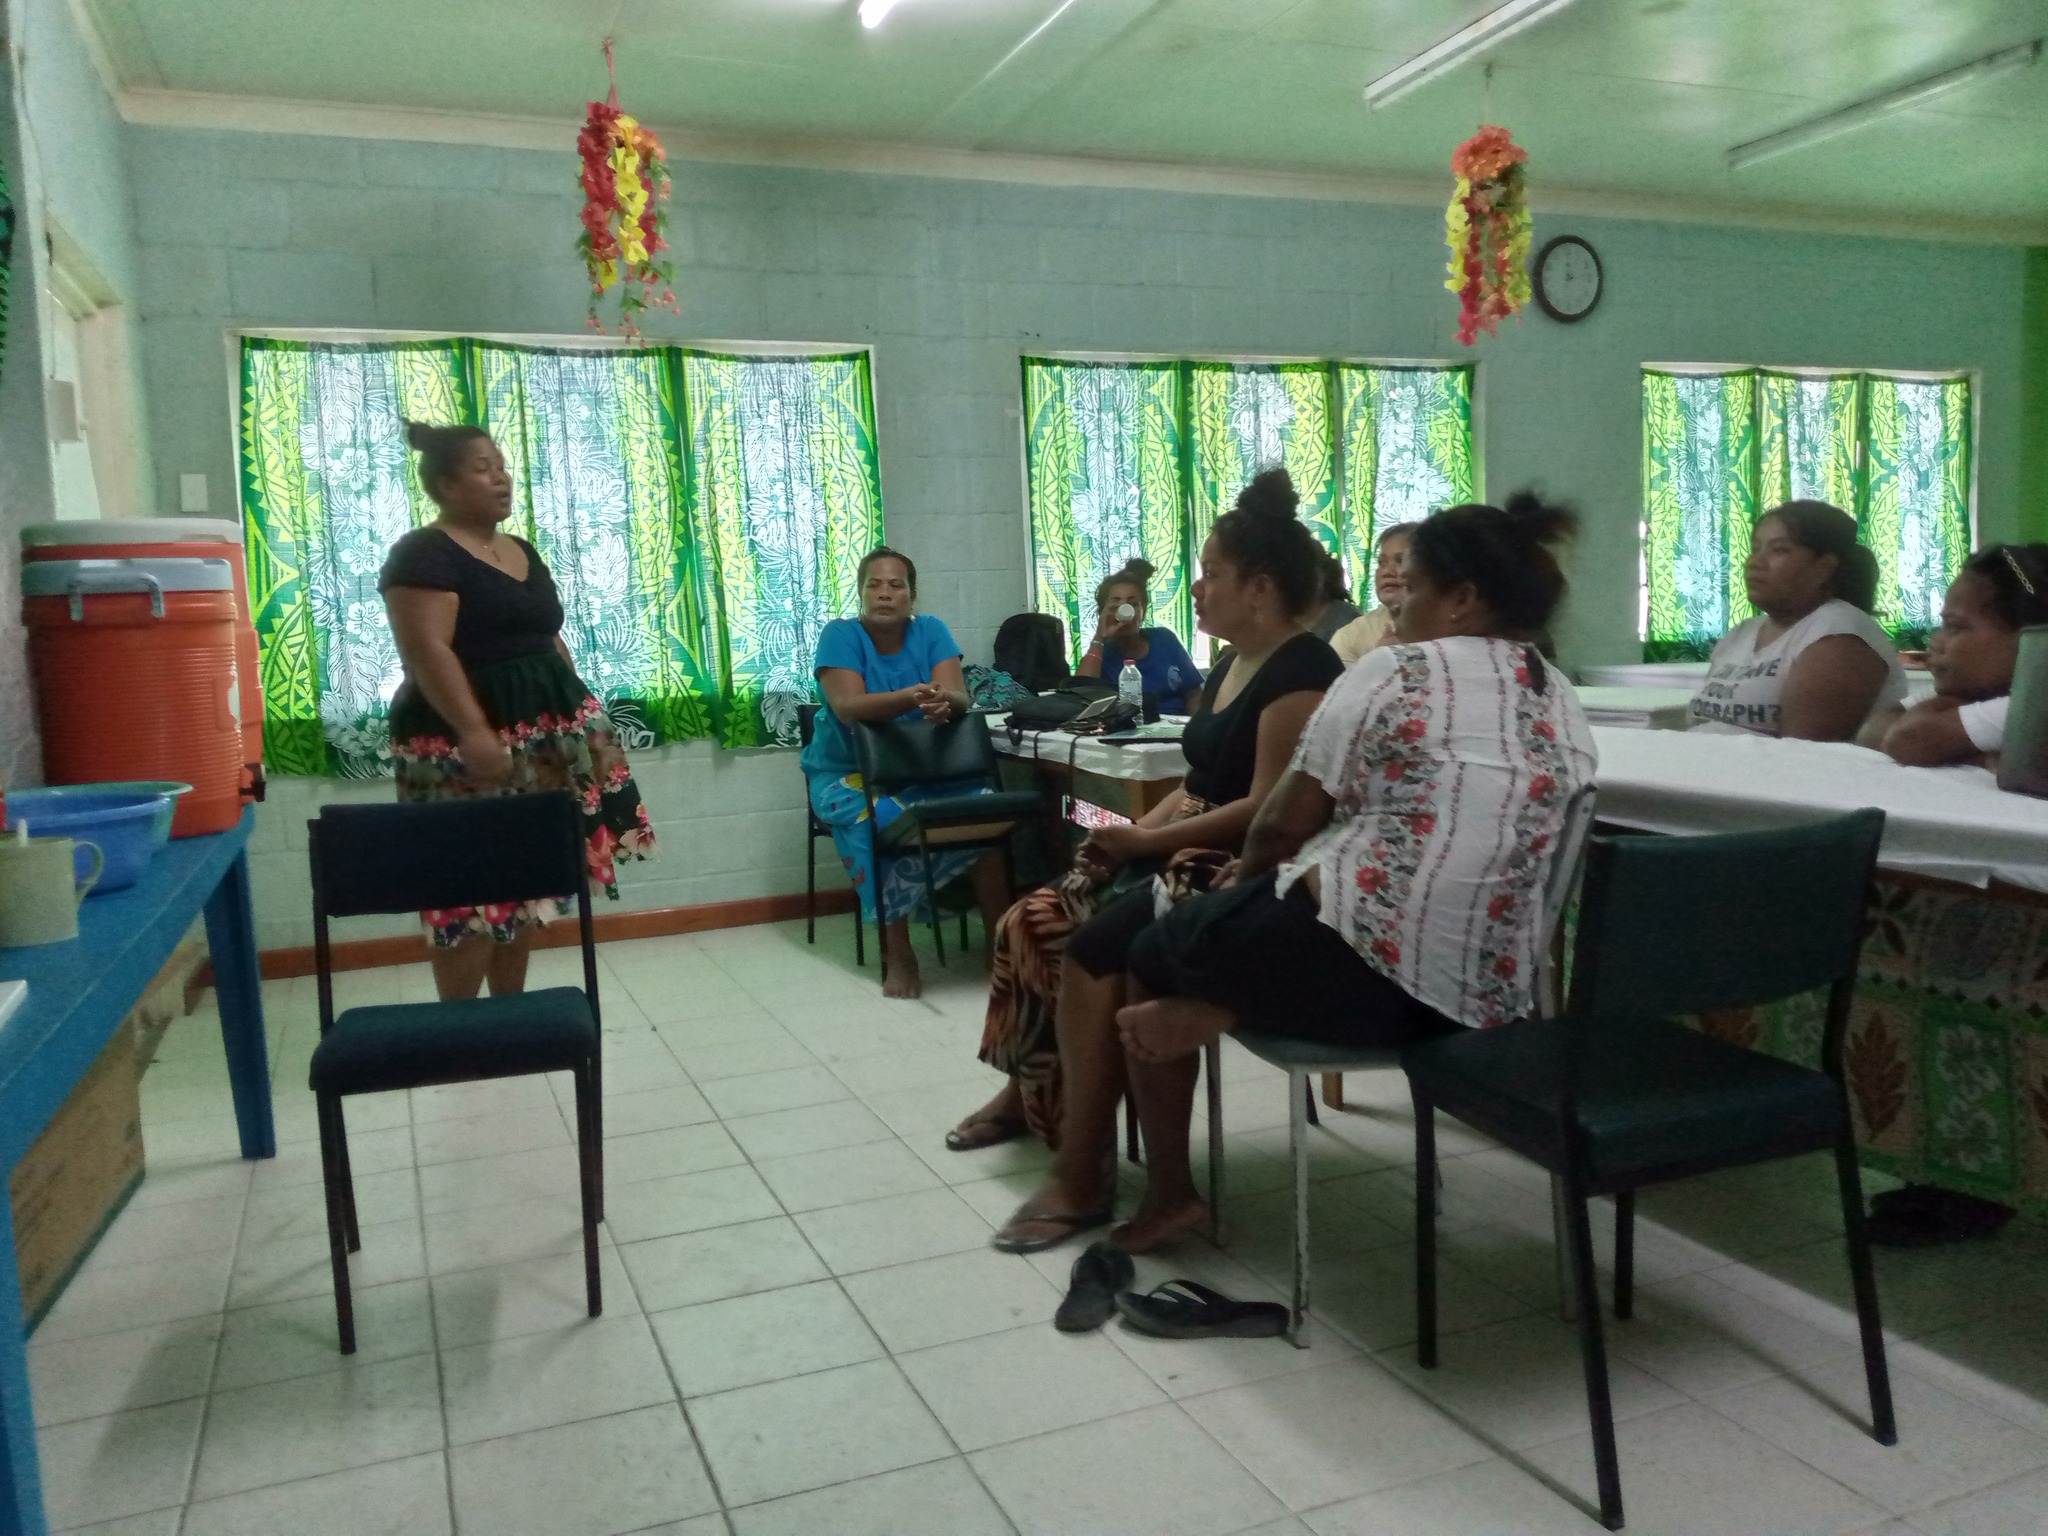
1946 1054
78 994
1640 709
1127 777
1690 674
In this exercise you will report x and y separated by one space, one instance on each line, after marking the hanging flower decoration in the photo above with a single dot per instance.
1487 229
625 182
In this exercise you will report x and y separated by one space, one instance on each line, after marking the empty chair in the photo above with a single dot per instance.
451 853
1612 1095
962 805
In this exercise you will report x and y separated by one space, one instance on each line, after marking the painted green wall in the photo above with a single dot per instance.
949 281
2031 521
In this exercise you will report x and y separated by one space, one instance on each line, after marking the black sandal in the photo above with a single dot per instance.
1091 1292
1183 1309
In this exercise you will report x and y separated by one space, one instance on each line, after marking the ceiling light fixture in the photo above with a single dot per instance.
872 12
1863 113
1460 48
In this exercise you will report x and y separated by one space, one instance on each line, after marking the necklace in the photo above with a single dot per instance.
488 552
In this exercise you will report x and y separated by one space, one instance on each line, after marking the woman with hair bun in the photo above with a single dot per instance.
491 703
1172 681
1812 664
1391 885
1060 952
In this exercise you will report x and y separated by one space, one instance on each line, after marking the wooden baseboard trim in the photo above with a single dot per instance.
659 922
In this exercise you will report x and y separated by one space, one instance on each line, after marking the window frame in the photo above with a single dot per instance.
1974 377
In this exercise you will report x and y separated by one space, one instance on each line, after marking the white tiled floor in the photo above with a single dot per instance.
806 1332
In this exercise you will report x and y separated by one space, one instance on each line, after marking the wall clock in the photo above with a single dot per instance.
1568 279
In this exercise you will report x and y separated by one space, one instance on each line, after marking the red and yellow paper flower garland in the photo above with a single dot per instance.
1487 229
625 181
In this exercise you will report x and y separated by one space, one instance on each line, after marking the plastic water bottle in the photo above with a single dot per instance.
1130 687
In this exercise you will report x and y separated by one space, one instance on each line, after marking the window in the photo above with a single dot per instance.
1138 458
1722 448
702 515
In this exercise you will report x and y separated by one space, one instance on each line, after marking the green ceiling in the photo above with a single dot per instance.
1632 97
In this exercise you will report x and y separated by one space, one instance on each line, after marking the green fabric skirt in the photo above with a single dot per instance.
559 738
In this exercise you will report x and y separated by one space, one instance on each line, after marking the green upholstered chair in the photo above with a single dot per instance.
455 853
958 757
1613 1095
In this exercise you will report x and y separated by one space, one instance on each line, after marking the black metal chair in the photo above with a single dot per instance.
1303 1060
806 725
1613 1095
958 757
409 858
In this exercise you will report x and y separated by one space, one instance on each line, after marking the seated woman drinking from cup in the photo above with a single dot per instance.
1812 663
1999 591
891 663
1259 574
1392 884
1172 681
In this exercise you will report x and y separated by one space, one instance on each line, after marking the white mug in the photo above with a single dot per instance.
39 892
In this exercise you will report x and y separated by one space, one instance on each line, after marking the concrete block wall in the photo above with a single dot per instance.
950 282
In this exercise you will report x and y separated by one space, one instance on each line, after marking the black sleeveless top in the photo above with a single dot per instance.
1222 746
497 618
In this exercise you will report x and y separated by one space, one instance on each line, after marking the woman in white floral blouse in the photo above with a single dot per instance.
1392 883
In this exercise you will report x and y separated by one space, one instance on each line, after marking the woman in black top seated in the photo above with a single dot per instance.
1059 964
491 703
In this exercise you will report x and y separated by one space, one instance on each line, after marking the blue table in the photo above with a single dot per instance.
78 994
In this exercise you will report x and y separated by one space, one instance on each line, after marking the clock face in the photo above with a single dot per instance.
1567 279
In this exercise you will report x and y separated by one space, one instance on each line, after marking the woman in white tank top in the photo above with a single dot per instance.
1813 663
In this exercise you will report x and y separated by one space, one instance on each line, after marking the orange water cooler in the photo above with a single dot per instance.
174 538
136 678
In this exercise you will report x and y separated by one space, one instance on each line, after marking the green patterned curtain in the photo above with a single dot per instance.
785 496
327 486
1722 449
1699 494
1407 450
592 444
1245 417
1916 509
1103 459
701 515
1807 428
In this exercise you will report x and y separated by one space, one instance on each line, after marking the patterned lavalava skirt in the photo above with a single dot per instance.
559 738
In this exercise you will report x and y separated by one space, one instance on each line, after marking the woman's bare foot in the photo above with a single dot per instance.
900 975
1168 1028
1001 1119
1155 1224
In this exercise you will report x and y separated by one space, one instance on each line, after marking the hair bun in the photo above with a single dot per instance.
1270 493
1537 522
1137 569
419 436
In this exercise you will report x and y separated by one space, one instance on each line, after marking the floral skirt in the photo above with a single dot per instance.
898 889
559 738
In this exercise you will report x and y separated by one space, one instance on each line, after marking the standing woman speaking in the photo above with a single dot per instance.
491 703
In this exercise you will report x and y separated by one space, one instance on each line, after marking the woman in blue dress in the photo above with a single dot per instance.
1172 682
891 663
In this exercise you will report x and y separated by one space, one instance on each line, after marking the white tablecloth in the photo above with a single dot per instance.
1690 674
1946 823
1642 709
1141 762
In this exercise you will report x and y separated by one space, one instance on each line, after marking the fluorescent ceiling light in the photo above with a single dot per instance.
872 12
1460 48
1863 113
